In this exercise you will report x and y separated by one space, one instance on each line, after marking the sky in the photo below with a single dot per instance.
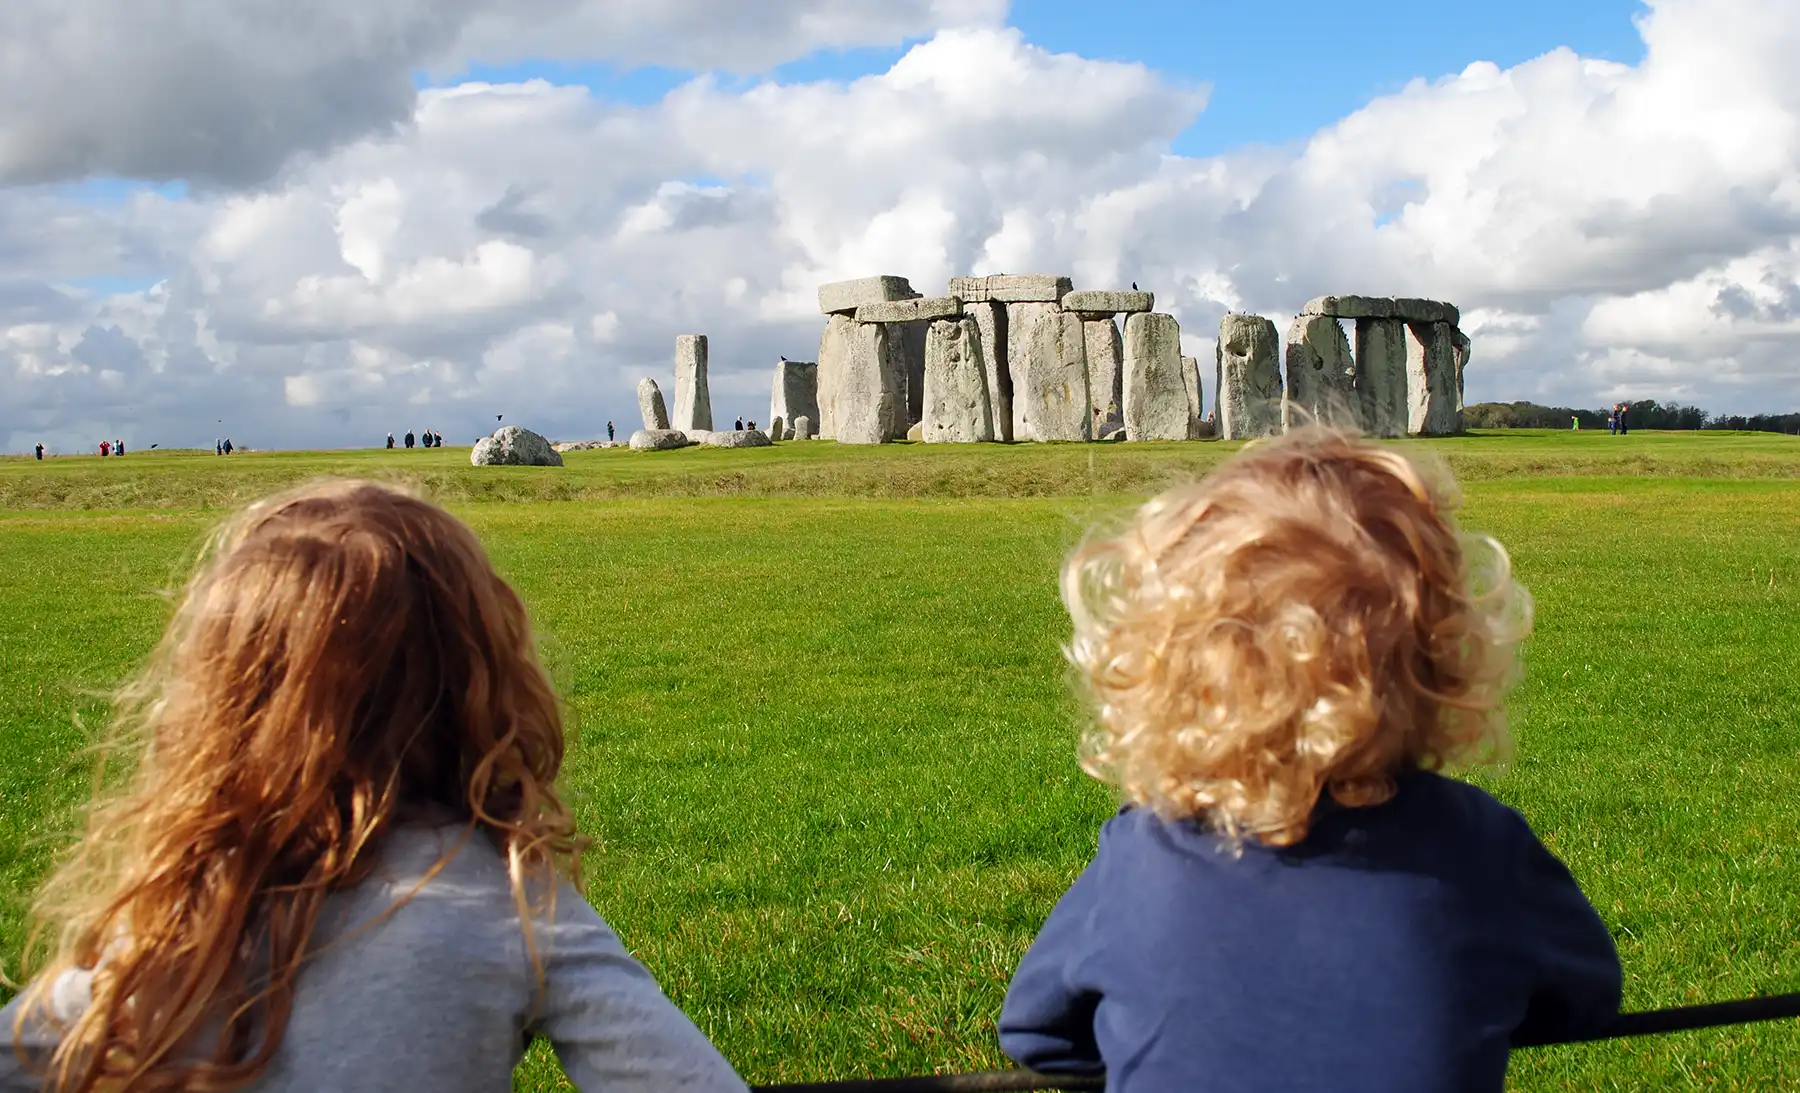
308 225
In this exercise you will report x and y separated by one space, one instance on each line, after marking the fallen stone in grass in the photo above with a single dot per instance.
658 440
736 438
514 446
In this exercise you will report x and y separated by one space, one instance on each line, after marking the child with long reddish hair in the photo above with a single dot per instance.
341 862
1279 659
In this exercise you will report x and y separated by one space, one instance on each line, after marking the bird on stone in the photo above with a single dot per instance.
497 417
783 358
1134 287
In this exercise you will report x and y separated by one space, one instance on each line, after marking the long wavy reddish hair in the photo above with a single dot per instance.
345 657
1307 621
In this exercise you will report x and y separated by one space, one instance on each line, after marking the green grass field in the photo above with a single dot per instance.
824 739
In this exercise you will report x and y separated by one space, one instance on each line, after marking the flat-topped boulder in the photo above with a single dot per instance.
911 311
658 440
1409 309
1109 303
736 438
844 297
1012 288
514 447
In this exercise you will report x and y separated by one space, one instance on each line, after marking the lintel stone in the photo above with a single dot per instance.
1111 303
844 297
1012 288
907 311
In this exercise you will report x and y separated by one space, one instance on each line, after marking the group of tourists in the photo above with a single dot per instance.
346 861
425 439
223 447
1615 419
107 447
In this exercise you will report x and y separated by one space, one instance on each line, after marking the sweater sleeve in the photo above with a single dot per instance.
1047 1020
611 1025
1568 949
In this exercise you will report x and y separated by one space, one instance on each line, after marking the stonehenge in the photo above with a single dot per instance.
515 447
1026 357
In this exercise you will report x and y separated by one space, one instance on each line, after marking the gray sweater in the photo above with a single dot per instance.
437 996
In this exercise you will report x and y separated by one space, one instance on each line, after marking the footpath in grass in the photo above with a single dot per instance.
189 480
827 748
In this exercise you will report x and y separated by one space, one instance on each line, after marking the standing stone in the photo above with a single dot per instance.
693 400
775 429
871 392
802 429
834 353
1249 401
1049 372
1430 380
1381 376
1106 360
956 398
1190 378
1321 374
1459 344
795 392
1156 400
650 405
990 319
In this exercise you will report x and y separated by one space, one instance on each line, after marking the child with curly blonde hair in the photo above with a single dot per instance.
341 862
1280 660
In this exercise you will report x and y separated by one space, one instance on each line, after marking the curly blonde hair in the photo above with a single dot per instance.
345 658
1306 621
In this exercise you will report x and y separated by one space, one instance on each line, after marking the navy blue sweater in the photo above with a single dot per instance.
1399 947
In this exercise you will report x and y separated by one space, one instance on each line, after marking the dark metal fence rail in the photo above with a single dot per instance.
1648 1023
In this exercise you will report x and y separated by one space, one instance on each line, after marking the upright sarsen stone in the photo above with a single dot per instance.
1321 375
1106 362
1156 401
834 351
955 388
1190 378
1050 376
990 319
693 400
1431 380
1249 378
1459 344
650 405
1381 376
795 392
871 393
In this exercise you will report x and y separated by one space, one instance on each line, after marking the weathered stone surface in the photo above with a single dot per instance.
693 399
777 429
1321 375
1110 303
514 447
658 440
872 391
1382 307
956 398
844 297
834 353
917 432
802 428
1250 377
1012 288
736 438
1459 344
1049 372
1381 376
795 391
581 445
1155 398
1190 379
1431 380
1106 361
907 311
990 319
650 404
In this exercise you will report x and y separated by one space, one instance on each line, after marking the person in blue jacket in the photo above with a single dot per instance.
1281 659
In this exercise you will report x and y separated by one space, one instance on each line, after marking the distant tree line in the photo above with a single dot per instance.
1648 414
